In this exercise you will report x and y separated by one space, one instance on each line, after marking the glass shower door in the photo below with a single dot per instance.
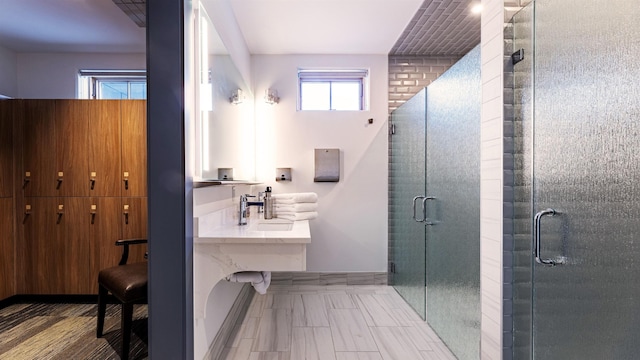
453 206
586 180
406 181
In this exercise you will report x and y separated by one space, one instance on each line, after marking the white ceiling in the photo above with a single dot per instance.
68 26
269 26
323 26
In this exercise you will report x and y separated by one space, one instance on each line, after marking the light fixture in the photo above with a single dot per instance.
237 97
271 96
476 8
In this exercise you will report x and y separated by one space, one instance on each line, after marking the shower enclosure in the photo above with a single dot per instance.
435 204
577 185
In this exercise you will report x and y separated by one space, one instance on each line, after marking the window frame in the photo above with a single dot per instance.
89 81
330 76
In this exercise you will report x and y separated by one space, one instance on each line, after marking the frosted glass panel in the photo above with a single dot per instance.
407 180
522 25
585 166
453 179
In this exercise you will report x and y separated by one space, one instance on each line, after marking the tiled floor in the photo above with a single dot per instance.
340 322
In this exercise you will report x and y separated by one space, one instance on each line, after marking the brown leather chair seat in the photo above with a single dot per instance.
127 282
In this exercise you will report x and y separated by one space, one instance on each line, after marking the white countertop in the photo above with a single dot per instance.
251 233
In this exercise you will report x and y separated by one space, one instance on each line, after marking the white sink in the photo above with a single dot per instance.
273 226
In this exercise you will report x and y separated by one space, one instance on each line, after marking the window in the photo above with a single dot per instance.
112 84
332 89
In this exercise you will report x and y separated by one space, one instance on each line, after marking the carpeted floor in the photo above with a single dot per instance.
67 331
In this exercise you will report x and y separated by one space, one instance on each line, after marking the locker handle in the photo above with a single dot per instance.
27 212
25 183
126 184
93 218
59 217
93 212
59 183
126 218
93 183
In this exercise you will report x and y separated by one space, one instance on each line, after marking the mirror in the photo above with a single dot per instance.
226 129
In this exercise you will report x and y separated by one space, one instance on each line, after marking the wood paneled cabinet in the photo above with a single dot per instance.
134 148
6 148
74 147
7 248
79 179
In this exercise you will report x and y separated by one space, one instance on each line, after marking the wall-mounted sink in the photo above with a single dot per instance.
262 245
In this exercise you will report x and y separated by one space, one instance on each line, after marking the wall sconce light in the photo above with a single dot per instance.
237 97
271 96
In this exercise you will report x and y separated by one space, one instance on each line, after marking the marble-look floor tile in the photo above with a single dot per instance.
309 310
359 355
247 330
274 331
349 331
339 301
394 343
279 301
271 355
257 306
241 352
312 343
374 311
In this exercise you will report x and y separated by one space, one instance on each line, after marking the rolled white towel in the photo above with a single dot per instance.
297 207
306 197
308 215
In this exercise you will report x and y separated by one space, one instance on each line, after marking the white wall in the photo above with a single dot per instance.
491 179
350 233
8 73
54 76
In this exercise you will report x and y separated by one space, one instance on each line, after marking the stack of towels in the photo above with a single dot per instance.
295 206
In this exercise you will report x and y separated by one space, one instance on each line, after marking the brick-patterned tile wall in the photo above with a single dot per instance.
409 74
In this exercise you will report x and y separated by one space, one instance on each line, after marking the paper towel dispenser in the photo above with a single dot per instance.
327 165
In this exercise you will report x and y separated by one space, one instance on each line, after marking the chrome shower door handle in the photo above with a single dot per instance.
415 199
424 210
536 237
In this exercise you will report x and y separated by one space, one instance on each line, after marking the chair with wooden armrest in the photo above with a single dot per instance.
128 284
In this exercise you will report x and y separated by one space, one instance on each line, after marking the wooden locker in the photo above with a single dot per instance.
72 157
105 229
38 146
7 115
134 147
75 244
56 246
7 249
42 270
105 141
134 225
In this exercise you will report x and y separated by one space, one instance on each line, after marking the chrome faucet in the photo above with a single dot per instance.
244 207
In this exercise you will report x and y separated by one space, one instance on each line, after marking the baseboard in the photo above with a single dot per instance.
329 278
49 299
235 316
56 299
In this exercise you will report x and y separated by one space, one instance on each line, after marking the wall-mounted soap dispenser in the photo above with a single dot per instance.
283 174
